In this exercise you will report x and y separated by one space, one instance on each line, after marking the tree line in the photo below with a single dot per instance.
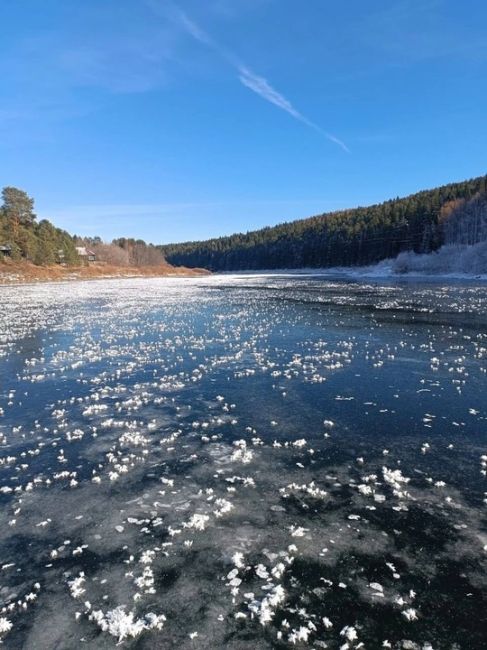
421 222
123 251
26 238
22 236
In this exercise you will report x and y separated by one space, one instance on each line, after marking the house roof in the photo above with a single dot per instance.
84 252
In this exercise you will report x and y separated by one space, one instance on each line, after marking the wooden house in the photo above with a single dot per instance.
86 254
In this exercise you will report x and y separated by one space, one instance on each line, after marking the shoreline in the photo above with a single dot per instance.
359 273
22 273
26 273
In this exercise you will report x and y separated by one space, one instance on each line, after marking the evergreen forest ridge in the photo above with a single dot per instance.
453 215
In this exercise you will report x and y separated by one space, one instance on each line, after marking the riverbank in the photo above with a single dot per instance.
26 272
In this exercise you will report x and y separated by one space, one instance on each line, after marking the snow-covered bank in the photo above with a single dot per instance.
453 261
449 262
449 259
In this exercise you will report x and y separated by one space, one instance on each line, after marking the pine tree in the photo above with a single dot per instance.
18 209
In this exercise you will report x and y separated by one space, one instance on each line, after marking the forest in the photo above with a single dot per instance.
23 237
454 214
420 223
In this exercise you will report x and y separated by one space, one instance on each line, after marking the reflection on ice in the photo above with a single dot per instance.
251 462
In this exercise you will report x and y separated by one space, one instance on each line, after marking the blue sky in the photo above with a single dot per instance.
183 120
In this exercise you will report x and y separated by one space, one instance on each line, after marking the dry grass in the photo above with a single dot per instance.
26 272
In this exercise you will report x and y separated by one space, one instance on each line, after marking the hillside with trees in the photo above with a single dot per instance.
420 223
406 229
23 237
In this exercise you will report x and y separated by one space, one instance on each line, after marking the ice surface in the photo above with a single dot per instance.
250 461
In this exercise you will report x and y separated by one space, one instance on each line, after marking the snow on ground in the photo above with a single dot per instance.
450 262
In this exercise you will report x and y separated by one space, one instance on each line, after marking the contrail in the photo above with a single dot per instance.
262 87
250 80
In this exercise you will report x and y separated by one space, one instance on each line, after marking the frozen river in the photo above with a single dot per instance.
243 462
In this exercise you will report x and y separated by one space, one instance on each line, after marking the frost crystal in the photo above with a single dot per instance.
122 625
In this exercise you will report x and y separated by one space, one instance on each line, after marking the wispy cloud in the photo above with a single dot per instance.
181 221
200 35
262 87
84 51
194 29
249 79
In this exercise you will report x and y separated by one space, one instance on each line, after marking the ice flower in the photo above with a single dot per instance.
123 625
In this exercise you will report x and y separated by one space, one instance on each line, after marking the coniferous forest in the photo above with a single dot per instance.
26 238
452 214
421 222
23 237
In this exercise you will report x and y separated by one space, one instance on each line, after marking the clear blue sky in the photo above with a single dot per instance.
183 120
